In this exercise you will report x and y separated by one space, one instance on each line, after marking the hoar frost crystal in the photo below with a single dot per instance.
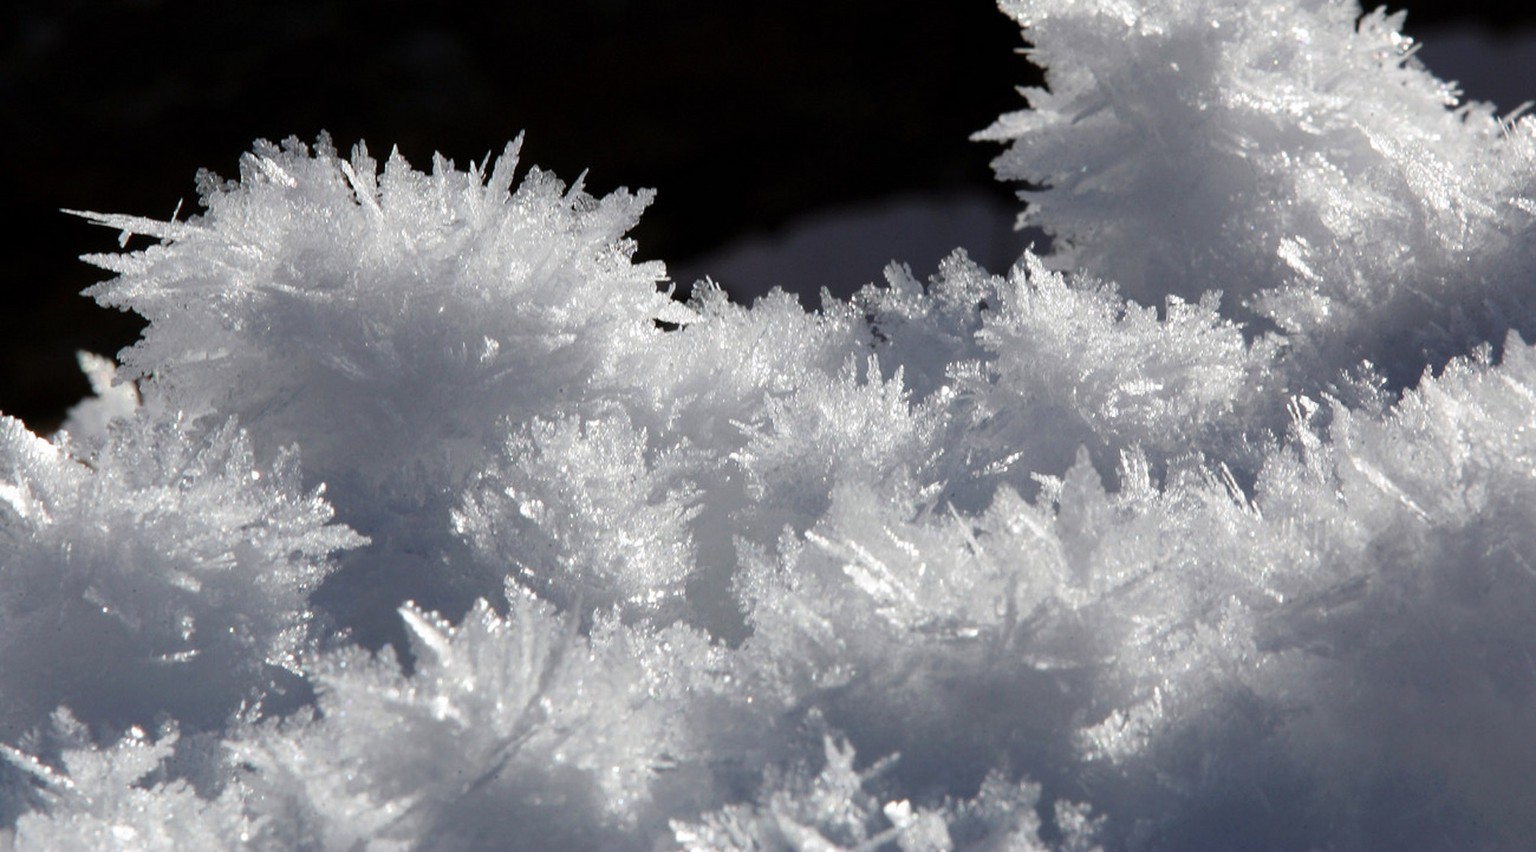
1211 528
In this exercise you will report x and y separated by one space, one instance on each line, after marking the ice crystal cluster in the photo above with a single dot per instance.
423 516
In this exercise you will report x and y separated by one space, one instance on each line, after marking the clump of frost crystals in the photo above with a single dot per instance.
566 487
1210 528
391 322
162 574
1292 154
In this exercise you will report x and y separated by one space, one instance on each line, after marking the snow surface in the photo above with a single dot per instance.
431 520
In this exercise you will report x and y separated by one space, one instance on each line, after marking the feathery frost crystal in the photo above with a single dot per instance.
1212 527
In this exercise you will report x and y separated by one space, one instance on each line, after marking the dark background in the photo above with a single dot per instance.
743 115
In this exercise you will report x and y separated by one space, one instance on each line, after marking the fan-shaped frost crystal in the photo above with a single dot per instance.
164 573
510 726
580 512
835 810
119 798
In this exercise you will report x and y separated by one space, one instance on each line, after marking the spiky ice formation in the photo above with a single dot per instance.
1294 156
164 573
1078 553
